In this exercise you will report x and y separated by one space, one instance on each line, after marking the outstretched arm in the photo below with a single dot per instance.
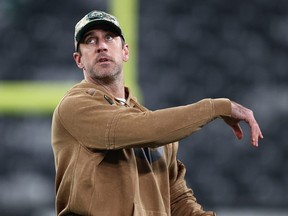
241 113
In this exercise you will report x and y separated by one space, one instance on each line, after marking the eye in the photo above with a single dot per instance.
90 40
109 37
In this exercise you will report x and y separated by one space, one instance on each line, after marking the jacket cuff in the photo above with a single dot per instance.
222 107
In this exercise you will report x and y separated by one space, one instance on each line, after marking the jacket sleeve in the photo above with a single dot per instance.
95 123
183 201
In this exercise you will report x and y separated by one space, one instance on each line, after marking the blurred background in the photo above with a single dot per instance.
186 50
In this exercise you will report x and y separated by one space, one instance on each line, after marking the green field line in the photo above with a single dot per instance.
30 97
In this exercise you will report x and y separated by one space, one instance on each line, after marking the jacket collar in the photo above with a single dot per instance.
129 97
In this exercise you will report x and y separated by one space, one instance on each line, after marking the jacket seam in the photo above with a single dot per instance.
113 128
109 126
73 178
92 197
212 113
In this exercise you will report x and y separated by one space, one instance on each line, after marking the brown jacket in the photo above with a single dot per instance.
116 160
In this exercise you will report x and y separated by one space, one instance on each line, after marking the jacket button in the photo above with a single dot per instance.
91 91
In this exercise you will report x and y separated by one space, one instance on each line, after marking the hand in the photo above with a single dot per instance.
240 113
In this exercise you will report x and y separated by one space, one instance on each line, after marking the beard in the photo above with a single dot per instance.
106 73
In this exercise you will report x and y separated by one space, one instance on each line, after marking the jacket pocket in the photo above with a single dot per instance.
138 210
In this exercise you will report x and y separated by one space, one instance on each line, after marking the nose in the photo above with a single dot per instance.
102 46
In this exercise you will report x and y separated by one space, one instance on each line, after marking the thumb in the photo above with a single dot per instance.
234 124
237 131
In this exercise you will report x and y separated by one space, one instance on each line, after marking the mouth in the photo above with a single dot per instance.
102 59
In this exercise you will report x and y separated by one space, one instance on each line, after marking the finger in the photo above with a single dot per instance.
256 134
261 135
254 142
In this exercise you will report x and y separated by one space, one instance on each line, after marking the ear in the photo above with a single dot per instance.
125 53
77 58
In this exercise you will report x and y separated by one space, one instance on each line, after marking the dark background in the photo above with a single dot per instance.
188 50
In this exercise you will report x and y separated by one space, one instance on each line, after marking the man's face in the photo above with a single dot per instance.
101 55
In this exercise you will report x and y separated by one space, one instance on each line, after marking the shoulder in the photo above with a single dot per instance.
81 97
82 92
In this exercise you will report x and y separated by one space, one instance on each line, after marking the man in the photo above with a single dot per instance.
113 156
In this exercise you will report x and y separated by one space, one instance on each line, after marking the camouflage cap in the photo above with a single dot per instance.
94 19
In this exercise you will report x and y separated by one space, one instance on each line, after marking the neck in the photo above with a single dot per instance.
117 90
115 87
